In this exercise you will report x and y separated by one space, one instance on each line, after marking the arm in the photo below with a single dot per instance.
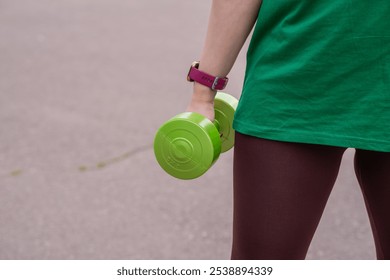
230 23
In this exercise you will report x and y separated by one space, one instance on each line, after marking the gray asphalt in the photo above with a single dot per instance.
84 85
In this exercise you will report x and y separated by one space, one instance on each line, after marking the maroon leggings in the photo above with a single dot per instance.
280 192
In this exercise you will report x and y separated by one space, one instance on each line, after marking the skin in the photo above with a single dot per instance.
230 23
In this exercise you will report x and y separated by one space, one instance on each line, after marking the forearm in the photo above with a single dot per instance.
229 25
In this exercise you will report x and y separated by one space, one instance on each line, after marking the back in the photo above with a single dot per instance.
319 72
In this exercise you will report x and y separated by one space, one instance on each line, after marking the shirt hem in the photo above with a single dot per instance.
308 137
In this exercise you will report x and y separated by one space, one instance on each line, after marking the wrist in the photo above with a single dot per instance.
213 82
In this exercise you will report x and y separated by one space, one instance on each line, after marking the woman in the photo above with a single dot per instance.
317 82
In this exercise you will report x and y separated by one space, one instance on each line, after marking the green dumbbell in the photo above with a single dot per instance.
187 145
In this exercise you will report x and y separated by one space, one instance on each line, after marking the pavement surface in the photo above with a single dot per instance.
84 85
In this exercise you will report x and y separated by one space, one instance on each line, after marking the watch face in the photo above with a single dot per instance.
188 75
194 64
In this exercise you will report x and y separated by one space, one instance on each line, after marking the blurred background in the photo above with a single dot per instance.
84 85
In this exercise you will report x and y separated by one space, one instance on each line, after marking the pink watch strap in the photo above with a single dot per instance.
215 83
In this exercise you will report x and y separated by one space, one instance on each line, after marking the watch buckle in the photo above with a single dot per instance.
215 83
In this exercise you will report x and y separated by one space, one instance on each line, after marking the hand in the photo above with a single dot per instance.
205 108
202 101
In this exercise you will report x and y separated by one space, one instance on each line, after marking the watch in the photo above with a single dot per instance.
215 83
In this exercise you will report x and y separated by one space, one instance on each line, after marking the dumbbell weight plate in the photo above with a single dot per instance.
187 145
224 107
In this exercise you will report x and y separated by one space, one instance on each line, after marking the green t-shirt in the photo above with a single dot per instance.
319 72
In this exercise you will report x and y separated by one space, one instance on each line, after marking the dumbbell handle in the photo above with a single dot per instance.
216 123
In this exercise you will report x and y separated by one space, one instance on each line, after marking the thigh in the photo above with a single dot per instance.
373 173
280 191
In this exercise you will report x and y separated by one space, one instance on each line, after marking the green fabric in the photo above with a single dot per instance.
319 72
